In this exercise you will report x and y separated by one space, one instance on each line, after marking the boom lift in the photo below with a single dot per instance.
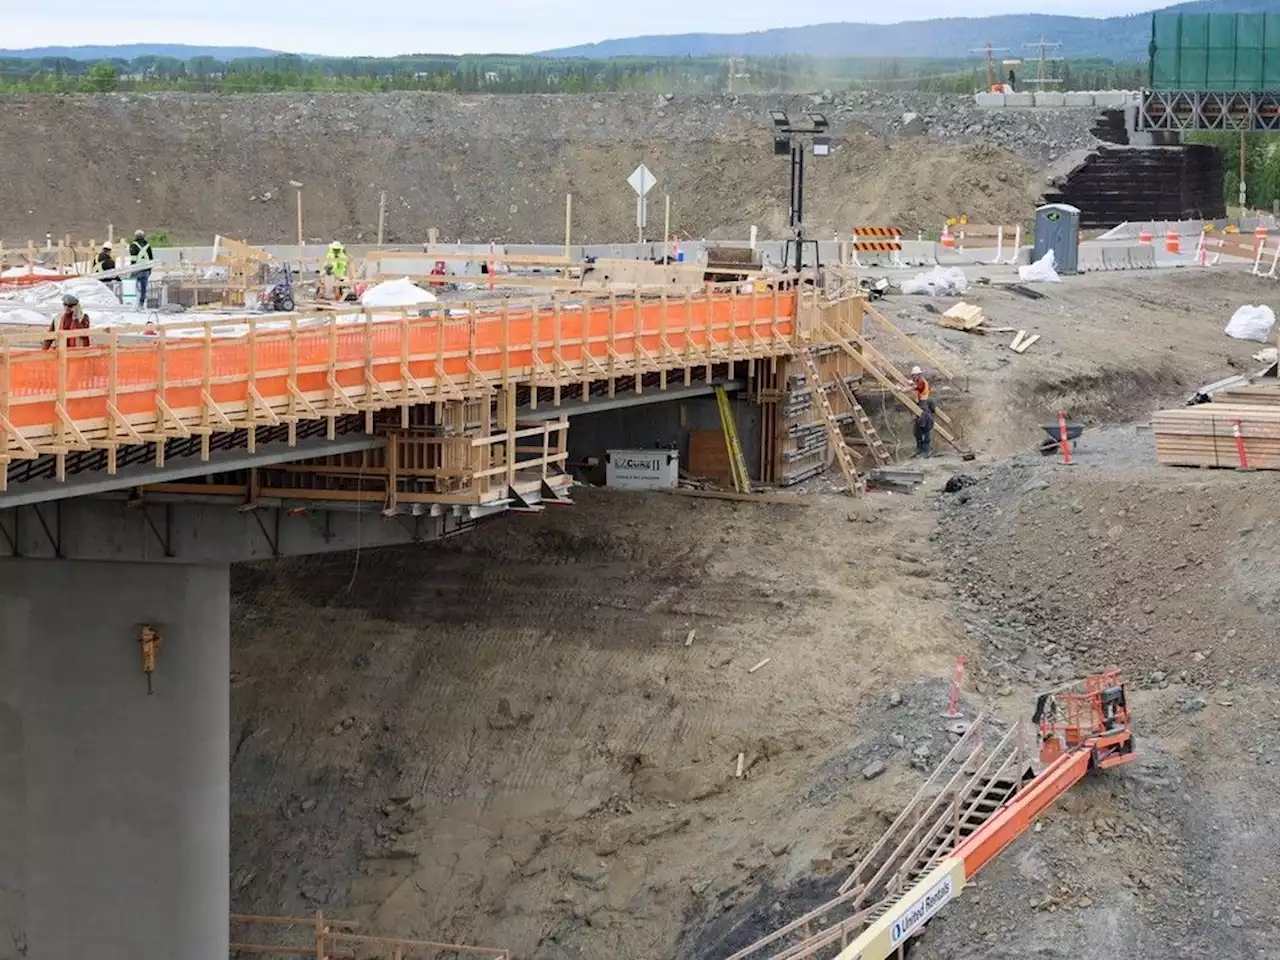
955 826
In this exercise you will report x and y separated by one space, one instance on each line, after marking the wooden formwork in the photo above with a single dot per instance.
195 378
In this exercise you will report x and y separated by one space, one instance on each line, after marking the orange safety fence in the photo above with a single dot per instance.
319 367
32 279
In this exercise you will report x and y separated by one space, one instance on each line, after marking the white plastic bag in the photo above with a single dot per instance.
1042 271
1252 323
396 293
938 282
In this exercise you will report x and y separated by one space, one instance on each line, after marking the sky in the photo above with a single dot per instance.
387 27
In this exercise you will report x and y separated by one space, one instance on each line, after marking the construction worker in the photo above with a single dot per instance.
924 420
139 252
336 265
338 258
104 262
72 318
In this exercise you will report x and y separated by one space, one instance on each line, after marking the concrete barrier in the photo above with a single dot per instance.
1096 258
1050 98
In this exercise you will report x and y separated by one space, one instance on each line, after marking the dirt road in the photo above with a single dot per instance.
505 739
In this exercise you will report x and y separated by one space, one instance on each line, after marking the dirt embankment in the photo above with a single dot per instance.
493 167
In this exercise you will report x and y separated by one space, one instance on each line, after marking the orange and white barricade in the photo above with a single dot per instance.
878 240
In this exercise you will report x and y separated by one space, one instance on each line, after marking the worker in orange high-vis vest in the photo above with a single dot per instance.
924 420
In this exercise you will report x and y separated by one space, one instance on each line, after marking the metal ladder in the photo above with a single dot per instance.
879 452
834 434
737 462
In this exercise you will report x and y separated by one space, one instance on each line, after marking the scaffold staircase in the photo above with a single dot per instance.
844 456
973 781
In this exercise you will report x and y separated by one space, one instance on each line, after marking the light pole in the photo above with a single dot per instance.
794 140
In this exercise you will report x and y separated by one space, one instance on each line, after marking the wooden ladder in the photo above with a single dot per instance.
834 434
865 427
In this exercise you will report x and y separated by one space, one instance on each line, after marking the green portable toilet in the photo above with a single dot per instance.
1058 229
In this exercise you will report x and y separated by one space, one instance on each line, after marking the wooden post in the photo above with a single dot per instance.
666 229
301 242
568 221
382 216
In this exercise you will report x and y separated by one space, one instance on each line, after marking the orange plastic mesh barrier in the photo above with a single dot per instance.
191 373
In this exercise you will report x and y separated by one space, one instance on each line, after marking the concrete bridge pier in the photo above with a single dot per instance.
114 805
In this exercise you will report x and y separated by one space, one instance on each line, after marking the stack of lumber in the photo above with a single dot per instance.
970 319
963 316
1203 435
1250 394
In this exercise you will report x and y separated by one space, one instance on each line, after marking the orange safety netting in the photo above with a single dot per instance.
524 344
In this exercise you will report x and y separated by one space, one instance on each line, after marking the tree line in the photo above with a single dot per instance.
529 74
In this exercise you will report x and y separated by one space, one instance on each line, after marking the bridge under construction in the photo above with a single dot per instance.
138 468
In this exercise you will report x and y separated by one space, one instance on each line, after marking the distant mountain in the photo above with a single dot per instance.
131 51
1115 38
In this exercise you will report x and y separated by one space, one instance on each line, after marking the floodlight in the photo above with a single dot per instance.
780 118
818 120
781 146
821 146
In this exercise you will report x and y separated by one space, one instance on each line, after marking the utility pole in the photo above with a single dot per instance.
991 52
1243 193
1043 46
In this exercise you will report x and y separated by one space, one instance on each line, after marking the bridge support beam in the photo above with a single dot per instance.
114 805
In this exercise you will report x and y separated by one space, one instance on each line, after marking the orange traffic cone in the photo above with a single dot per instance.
1146 237
1173 241
948 238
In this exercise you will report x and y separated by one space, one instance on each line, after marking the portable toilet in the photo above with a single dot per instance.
1058 229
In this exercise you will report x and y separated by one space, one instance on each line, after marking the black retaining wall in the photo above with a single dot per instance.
1118 183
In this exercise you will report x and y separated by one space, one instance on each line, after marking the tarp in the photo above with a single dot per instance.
396 293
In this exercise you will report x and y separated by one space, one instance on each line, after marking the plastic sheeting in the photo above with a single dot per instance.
939 282
1252 323
1042 271
396 293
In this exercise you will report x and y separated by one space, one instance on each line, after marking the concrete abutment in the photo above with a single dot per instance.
114 805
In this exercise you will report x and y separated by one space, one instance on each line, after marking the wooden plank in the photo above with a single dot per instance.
1025 344
1017 340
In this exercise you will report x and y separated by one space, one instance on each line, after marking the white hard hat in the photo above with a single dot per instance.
106 245
917 372
336 244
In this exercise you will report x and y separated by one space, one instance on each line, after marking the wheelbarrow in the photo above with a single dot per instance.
1054 430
